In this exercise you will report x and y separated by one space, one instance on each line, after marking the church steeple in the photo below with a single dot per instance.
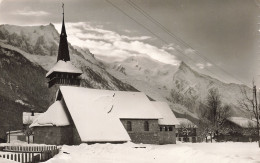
63 53
63 72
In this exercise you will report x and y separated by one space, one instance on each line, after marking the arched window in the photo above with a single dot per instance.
146 126
129 126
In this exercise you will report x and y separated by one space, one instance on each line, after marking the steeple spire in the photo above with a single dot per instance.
63 53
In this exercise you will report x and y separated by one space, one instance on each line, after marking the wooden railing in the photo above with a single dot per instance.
29 154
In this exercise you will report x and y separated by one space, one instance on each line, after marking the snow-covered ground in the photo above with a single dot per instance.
177 153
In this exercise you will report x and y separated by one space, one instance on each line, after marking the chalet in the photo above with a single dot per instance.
99 116
186 131
239 129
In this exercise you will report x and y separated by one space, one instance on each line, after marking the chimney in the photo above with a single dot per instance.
32 110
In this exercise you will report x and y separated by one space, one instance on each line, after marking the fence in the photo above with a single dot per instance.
29 148
30 154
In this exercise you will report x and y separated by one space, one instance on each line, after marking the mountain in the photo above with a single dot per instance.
39 44
181 86
146 74
27 53
195 86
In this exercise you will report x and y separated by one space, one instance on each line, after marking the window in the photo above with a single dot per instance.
146 126
170 128
160 128
166 128
129 126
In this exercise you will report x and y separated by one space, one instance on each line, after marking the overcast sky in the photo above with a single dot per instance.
222 32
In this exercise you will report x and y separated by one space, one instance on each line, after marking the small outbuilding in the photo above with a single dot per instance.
239 129
186 131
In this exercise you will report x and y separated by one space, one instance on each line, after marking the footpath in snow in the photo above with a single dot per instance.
178 153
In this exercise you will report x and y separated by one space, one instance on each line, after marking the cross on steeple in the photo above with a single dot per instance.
63 8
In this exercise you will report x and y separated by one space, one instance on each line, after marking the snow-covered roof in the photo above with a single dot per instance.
167 114
185 123
54 116
90 110
62 66
242 122
28 118
124 105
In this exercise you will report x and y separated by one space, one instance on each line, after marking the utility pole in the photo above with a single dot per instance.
256 108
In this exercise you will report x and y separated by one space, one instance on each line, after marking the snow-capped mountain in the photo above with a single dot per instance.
146 74
166 82
39 44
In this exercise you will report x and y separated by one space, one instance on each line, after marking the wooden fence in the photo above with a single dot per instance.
29 154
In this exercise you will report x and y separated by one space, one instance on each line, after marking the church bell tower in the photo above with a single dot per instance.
63 72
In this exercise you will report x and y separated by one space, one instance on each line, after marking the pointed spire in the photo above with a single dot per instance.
63 53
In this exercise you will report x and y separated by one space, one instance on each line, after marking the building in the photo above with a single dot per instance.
99 116
239 129
186 131
20 135
28 118
91 115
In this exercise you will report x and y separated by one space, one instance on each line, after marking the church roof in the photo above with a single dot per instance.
166 112
62 66
89 109
54 116
123 104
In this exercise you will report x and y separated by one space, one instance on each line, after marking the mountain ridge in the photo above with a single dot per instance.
186 82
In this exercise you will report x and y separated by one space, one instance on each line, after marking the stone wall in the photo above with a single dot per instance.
167 137
53 135
139 135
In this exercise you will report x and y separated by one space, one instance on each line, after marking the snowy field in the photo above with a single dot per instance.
178 153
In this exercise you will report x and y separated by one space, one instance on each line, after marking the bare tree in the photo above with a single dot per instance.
249 103
28 131
213 113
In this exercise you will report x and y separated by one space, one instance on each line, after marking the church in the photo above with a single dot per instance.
84 115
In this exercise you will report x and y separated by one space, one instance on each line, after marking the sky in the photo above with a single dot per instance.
215 37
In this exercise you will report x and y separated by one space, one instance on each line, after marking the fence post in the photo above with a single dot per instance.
22 157
25 157
19 157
